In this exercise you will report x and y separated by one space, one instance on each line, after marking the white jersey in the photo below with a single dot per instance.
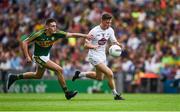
100 37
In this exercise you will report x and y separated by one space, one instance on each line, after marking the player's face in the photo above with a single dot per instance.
52 27
106 23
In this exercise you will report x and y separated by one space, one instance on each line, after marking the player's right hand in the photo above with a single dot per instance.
95 47
89 36
28 60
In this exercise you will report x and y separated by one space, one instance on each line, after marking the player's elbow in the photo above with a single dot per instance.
99 78
69 34
25 42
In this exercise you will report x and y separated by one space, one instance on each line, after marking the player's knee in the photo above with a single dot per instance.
38 76
99 78
110 75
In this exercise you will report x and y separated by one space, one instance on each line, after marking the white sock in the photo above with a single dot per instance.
114 92
82 74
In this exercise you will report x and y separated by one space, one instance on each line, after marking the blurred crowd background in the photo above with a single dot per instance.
149 30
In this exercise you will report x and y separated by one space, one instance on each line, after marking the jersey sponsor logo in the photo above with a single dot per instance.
45 43
102 41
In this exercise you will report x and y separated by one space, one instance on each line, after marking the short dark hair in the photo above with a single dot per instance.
106 16
50 20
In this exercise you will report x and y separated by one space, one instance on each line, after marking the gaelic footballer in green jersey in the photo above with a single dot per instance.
43 41
43 44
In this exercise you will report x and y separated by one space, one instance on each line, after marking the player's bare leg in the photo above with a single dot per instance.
90 74
109 74
101 69
34 75
55 67
28 75
98 75
79 74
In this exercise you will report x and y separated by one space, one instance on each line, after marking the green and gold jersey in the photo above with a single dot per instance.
43 43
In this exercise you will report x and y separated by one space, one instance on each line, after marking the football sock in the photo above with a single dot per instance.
65 89
20 76
82 74
114 92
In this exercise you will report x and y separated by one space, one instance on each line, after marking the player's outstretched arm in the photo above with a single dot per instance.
79 35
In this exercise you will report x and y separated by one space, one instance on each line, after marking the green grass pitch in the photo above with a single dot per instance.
89 102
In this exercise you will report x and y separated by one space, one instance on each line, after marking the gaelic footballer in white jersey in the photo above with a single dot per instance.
100 38
97 54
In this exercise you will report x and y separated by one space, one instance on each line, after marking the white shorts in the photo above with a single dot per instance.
41 60
95 60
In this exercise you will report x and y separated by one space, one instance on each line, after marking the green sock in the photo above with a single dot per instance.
65 89
20 76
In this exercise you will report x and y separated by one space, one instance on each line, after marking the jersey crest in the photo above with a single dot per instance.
102 41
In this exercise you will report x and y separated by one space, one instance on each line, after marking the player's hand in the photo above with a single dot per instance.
96 47
121 45
89 37
28 60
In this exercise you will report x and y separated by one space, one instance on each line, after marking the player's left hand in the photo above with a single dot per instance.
121 45
96 47
28 60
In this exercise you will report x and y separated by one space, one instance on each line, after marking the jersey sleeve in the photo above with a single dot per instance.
33 35
61 34
23 37
112 36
